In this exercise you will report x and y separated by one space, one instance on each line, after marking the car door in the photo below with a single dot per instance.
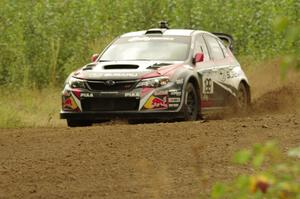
203 68
213 74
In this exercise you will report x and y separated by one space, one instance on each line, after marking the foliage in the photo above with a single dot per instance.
275 175
41 42
292 38
30 108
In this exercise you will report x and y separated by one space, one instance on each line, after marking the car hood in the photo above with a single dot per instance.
120 70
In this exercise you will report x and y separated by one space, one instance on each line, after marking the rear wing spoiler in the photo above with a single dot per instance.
226 38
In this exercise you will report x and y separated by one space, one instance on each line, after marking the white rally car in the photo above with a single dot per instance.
158 73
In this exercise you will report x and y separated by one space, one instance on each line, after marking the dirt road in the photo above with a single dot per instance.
164 160
171 160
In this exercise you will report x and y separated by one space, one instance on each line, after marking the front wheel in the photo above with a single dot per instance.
78 123
191 103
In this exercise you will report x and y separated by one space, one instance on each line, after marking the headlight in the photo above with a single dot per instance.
153 82
76 83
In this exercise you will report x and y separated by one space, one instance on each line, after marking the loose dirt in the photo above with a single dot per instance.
162 160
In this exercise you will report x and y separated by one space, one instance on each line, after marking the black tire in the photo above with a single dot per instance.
242 99
78 123
134 121
141 121
191 103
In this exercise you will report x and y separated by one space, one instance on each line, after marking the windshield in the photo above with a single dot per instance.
171 48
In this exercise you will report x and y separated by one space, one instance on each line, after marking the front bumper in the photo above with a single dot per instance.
107 115
153 103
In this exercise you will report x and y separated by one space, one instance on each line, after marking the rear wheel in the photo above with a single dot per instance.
78 123
191 103
242 103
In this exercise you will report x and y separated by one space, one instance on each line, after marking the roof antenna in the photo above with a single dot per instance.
164 25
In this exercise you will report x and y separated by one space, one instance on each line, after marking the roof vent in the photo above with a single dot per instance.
154 31
163 26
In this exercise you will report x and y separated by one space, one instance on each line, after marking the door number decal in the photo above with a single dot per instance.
208 86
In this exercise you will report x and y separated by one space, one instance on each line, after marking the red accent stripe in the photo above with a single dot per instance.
76 93
206 103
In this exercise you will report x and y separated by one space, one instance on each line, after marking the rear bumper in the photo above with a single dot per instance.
121 114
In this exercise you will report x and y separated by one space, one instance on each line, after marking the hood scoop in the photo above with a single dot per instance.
120 67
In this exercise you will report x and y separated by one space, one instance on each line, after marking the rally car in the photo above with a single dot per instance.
159 73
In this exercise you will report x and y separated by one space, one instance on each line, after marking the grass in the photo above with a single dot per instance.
30 108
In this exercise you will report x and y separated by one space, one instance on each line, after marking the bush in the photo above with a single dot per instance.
275 175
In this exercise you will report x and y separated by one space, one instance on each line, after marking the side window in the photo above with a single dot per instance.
214 48
201 47
223 48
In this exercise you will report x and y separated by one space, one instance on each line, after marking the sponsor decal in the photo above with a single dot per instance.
175 93
179 81
222 77
174 100
231 74
132 94
227 73
69 103
161 92
157 103
173 105
86 95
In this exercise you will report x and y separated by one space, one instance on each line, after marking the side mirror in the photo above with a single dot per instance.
95 57
199 57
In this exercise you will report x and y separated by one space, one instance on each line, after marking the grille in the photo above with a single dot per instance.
110 104
117 86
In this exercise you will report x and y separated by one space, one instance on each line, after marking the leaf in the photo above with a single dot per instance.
280 23
258 148
242 182
293 33
258 160
242 157
218 190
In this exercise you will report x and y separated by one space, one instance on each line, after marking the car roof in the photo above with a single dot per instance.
166 32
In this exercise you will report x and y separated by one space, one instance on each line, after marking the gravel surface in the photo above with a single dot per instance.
162 160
